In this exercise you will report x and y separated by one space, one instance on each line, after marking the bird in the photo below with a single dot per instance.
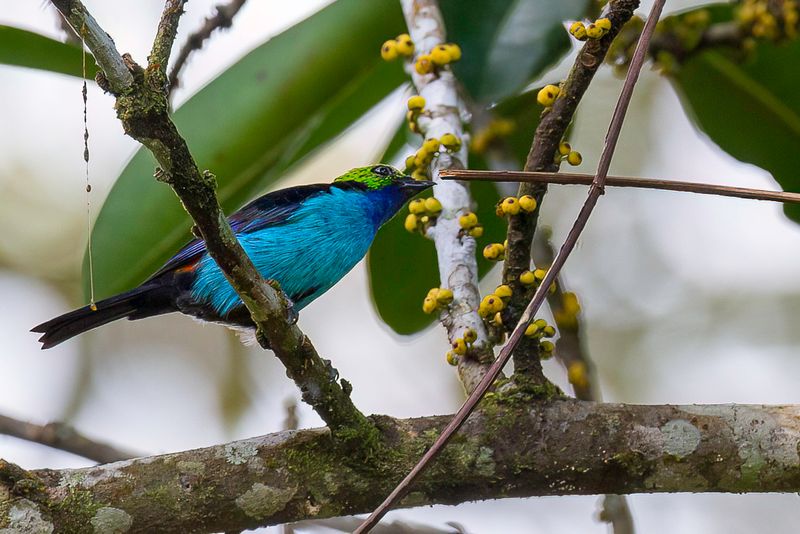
306 238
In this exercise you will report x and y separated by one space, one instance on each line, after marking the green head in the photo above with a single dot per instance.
381 176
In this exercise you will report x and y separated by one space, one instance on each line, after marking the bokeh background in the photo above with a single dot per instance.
686 299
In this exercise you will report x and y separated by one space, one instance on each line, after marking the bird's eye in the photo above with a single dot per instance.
382 170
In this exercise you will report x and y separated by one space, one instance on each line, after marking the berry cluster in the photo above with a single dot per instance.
769 19
402 45
437 298
417 164
439 56
495 251
593 30
513 205
462 345
422 213
565 152
539 329
469 223
534 279
491 305
496 129
567 316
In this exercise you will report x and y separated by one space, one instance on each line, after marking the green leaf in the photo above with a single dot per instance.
751 109
265 113
23 48
506 43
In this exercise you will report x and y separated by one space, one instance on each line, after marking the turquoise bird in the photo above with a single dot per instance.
306 238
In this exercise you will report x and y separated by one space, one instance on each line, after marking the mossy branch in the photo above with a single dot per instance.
509 449
144 112
551 130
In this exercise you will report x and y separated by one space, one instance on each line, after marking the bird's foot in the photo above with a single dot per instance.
333 373
291 313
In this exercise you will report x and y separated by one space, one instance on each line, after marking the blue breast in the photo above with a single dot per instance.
319 243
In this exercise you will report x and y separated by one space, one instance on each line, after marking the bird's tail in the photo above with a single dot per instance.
144 301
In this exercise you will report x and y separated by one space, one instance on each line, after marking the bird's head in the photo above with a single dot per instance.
378 177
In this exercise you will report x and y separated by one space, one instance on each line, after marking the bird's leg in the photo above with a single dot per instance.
333 373
291 314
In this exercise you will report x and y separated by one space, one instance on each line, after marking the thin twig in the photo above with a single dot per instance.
99 42
549 133
165 36
567 178
63 437
223 18
538 298
458 268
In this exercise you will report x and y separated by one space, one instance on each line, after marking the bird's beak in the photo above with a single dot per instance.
416 185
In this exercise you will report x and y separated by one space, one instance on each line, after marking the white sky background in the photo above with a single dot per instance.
667 281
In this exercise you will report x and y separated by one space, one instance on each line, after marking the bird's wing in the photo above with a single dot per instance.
268 210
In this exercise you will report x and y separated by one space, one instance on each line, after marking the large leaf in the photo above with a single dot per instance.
751 108
273 107
23 48
506 43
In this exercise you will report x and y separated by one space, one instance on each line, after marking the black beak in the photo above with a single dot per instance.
416 185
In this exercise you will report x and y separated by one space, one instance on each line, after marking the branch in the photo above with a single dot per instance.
569 178
565 447
458 268
549 133
595 191
165 37
144 116
223 18
99 42
64 437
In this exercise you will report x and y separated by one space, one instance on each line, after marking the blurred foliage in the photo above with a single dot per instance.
27 49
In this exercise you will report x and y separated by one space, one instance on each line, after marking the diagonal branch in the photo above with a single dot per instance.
143 111
563 447
541 292
458 268
223 18
165 37
63 437
570 178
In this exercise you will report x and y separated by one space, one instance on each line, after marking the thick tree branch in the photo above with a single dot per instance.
565 447
223 18
143 111
458 268
64 437
551 130
99 43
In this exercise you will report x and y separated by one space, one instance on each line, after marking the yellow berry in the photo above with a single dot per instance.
564 148
431 145
578 30
604 24
450 141
459 347
541 323
424 219
429 305
593 31
578 375
424 65
547 347
548 331
527 278
539 274
410 165
444 296
433 206
527 203
503 291
454 50
419 174
389 50
510 206
570 303
417 206
547 95
532 330
493 251
452 358
416 103
490 305
411 222
468 220
440 55
574 158
405 46
433 292
470 335
476 232
498 319
552 288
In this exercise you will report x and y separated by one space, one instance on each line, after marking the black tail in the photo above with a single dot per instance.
153 298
